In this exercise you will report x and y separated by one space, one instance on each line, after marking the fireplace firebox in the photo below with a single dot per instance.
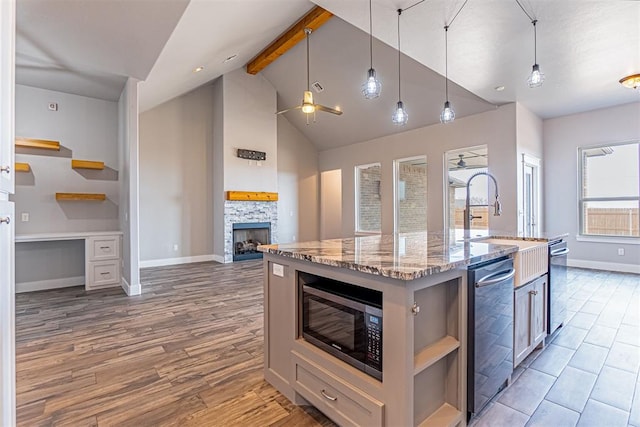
246 238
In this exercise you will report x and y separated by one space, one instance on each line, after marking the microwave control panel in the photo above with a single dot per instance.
374 340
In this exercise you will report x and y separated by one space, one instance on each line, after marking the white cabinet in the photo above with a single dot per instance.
7 65
530 305
103 263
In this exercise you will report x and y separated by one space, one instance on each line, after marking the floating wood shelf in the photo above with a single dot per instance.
81 196
257 196
87 164
22 167
44 144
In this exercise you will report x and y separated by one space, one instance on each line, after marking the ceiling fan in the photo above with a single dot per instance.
308 106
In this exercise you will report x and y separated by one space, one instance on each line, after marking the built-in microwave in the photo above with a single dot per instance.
342 319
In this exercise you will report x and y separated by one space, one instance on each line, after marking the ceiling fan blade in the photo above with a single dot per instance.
328 110
289 109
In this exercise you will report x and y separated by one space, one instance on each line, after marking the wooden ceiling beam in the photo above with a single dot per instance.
314 20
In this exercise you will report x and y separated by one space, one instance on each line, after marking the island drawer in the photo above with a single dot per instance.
340 401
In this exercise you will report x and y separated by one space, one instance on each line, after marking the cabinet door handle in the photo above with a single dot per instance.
533 292
6 169
326 396
5 220
104 274
104 247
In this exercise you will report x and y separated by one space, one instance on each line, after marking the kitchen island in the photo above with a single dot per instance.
422 280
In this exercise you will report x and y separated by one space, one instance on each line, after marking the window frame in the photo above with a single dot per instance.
581 235
396 187
356 180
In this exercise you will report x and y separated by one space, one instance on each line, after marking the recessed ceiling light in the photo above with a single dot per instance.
198 69
499 88
230 58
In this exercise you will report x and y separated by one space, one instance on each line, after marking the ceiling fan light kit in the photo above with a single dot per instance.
372 87
632 81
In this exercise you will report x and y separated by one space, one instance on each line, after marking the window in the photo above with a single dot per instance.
609 196
410 178
368 204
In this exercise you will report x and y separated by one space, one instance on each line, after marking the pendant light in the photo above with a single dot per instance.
447 115
400 115
372 87
536 78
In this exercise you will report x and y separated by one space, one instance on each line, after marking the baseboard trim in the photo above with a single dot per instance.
218 258
607 266
175 261
43 285
130 290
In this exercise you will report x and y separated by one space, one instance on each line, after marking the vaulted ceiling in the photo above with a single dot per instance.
584 48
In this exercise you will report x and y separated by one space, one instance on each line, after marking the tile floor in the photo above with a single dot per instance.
588 373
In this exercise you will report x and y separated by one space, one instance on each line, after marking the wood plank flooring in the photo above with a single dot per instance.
187 352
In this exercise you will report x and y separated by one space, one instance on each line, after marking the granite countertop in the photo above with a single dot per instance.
477 235
404 256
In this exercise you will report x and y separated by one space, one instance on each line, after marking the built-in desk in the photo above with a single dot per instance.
102 255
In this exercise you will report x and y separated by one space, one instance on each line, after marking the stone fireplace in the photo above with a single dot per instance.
247 236
243 216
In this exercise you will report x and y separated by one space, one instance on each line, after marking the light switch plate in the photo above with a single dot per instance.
278 270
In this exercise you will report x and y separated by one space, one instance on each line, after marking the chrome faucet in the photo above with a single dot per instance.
468 216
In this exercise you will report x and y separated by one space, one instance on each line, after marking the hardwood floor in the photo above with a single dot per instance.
187 352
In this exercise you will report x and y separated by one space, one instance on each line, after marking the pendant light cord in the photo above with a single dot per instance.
446 62
531 18
535 42
399 13
370 36
458 13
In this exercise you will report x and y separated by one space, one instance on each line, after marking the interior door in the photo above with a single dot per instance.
529 201
7 83
7 316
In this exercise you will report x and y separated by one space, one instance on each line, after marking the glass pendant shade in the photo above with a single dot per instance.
536 78
447 115
400 116
372 87
308 106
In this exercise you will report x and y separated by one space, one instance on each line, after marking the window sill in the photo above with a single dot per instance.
367 233
609 239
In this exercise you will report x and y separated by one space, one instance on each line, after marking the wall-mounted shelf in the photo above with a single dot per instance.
44 144
87 164
252 196
98 197
22 167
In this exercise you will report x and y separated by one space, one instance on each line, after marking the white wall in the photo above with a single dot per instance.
562 137
129 185
87 129
218 170
496 129
298 186
176 179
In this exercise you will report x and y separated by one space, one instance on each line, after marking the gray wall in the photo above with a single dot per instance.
218 170
529 134
562 137
496 129
298 185
87 129
176 177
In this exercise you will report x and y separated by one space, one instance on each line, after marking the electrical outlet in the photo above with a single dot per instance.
175 247
53 106
621 251
25 216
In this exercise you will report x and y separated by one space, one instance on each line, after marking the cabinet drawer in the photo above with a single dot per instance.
103 274
102 248
339 400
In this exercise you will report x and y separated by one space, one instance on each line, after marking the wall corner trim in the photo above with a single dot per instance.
130 290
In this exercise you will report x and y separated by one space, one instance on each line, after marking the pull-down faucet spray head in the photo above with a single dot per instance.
497 207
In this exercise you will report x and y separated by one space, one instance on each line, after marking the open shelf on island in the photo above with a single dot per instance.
445 416
98 197
44 144
87 164
22 167
436 351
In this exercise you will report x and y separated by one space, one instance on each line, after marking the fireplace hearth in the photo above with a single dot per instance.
247 236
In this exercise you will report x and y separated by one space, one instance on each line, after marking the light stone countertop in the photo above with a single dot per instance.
403 256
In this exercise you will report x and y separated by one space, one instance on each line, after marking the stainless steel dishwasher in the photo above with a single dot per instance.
557 294
490 331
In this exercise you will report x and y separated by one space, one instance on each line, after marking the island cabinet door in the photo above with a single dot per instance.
521 324
539 312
